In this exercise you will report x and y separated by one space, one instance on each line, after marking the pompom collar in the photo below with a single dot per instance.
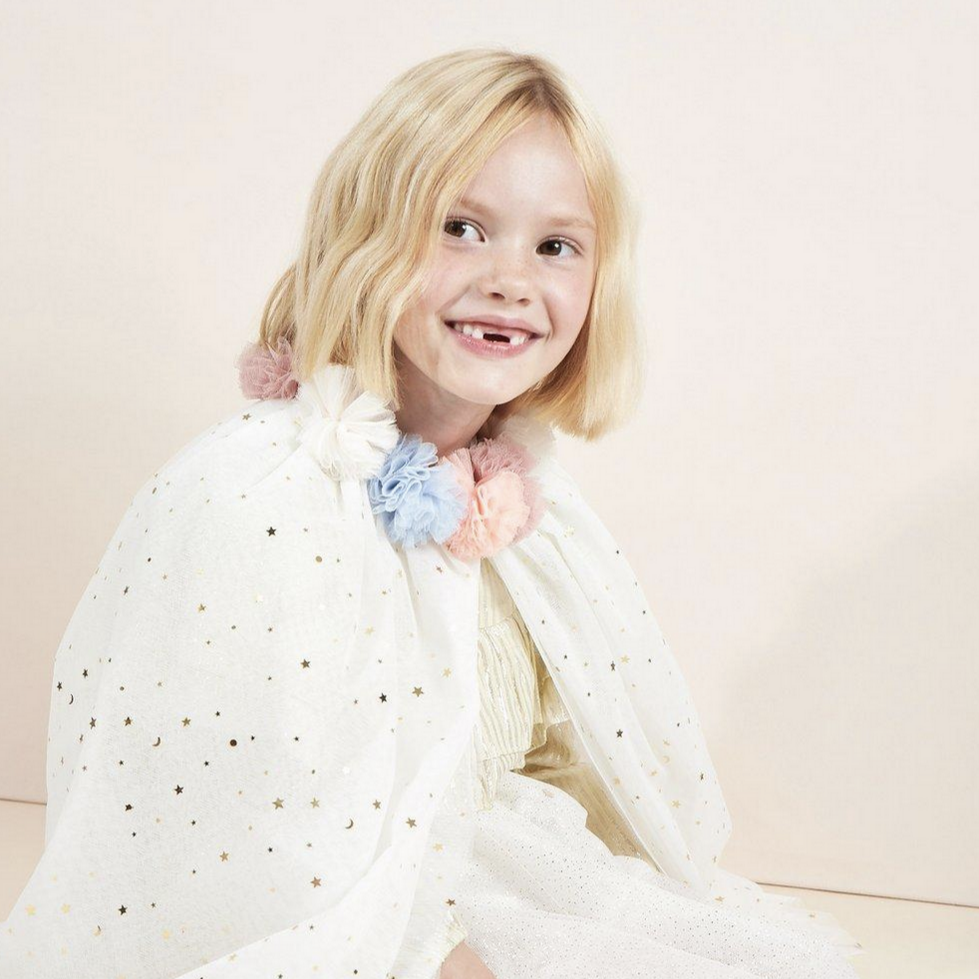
474 501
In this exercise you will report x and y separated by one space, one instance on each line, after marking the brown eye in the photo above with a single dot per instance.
456 223
559 242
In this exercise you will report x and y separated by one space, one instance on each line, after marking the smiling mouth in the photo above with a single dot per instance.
478 331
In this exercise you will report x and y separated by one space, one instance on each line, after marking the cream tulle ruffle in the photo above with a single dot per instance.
542 897
550 840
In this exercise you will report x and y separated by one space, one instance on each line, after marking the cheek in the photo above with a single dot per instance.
572 307
447 279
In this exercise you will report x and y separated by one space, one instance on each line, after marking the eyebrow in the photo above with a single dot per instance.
557 220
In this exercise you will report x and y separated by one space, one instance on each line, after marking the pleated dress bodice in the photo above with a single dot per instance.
523 723
518 700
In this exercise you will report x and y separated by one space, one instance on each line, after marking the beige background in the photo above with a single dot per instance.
798 496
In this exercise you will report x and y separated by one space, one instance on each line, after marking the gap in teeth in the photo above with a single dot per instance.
478 333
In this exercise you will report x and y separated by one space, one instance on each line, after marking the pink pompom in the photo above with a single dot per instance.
493 455
266 374
536 505
505 502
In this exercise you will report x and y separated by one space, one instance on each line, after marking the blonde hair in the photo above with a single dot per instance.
378 208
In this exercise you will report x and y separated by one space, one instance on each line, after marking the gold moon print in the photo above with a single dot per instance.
71 700
156 744
351 826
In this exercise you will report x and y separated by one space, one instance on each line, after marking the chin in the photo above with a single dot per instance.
489 396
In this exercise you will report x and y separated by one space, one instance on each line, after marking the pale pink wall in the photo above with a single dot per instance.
798 496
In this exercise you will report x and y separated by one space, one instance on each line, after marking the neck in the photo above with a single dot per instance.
436 415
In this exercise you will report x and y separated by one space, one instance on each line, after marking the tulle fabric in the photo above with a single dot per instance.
556 884
542 896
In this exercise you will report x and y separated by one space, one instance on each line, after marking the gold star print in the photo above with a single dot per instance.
224 856
127 721
200 608
271 531
315 803
417 692
30 909
410 822
305 664
447 671
91 723
246 416
122 909
315 882
179 789
450 901
623 659
438 847
186 721
377 803
719 898
65 908
278 803
675 803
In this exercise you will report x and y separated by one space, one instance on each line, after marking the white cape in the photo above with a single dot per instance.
260 754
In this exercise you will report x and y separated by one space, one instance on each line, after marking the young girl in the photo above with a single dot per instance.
362 686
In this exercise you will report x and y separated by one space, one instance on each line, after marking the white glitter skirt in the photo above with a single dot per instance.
542 897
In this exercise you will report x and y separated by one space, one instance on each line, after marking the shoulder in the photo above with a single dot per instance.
243 473
234 453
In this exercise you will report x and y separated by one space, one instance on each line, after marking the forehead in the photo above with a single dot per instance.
534 171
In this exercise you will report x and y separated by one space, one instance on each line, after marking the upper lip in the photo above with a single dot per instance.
505 324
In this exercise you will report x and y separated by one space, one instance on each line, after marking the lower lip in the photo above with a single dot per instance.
492 348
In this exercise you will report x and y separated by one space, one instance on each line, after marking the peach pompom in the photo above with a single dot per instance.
504 453
496 512
266 374
462 467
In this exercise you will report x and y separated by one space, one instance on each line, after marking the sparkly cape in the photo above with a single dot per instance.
260 755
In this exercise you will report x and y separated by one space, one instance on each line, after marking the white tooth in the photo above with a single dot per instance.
515 341
472 331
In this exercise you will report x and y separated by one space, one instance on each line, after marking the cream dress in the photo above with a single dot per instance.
558 885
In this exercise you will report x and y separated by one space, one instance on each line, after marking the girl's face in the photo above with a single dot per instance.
518 247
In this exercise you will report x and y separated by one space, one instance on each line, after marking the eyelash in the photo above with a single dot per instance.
564 241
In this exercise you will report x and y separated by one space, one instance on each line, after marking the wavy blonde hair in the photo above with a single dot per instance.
378 209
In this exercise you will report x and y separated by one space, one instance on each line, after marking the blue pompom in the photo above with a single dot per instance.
416 498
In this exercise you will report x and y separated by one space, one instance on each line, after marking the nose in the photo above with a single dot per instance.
507 276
